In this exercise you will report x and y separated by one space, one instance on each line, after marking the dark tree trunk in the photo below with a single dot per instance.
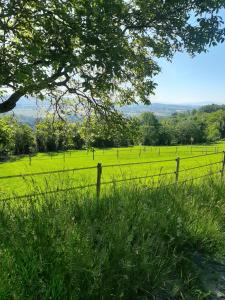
10 103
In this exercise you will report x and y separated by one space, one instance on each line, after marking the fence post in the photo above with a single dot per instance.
140 153
98 183
93 153
177 168
223 165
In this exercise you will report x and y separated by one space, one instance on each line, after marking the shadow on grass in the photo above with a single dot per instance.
132 243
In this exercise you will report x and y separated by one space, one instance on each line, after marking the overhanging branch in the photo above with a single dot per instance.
10 103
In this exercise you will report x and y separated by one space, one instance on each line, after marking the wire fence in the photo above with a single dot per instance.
100 167
94 153
46 173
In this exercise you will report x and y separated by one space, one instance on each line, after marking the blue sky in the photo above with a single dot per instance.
197 80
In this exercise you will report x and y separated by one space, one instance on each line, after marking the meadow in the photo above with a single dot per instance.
134 242
118 164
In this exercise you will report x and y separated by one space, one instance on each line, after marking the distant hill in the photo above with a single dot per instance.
29 110
159 109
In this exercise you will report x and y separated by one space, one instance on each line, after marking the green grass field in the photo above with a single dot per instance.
133 243
80 159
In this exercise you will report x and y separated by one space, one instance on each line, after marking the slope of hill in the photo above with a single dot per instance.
159 109
28 110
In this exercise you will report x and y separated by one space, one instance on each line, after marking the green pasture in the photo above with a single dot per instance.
132 243
108 158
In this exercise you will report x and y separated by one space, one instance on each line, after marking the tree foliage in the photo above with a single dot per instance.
16 138
49 134
97 53
122 132
149 129
57 135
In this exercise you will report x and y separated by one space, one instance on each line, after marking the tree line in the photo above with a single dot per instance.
205 125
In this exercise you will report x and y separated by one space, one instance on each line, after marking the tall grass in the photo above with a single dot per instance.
133 243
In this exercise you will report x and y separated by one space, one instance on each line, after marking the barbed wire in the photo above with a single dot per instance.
104 166
137 178
46 172
106 183
186 180
63 155
139 163
207 154
48 192
201 166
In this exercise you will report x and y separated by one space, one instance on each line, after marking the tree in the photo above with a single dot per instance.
149 129
57 135
25 141
94 52
165 135
211 108
122 132
7 143
15 138
189 132
215 129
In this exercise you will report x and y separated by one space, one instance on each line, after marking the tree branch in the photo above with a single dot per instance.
10 103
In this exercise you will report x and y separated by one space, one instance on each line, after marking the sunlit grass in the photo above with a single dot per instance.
79 159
